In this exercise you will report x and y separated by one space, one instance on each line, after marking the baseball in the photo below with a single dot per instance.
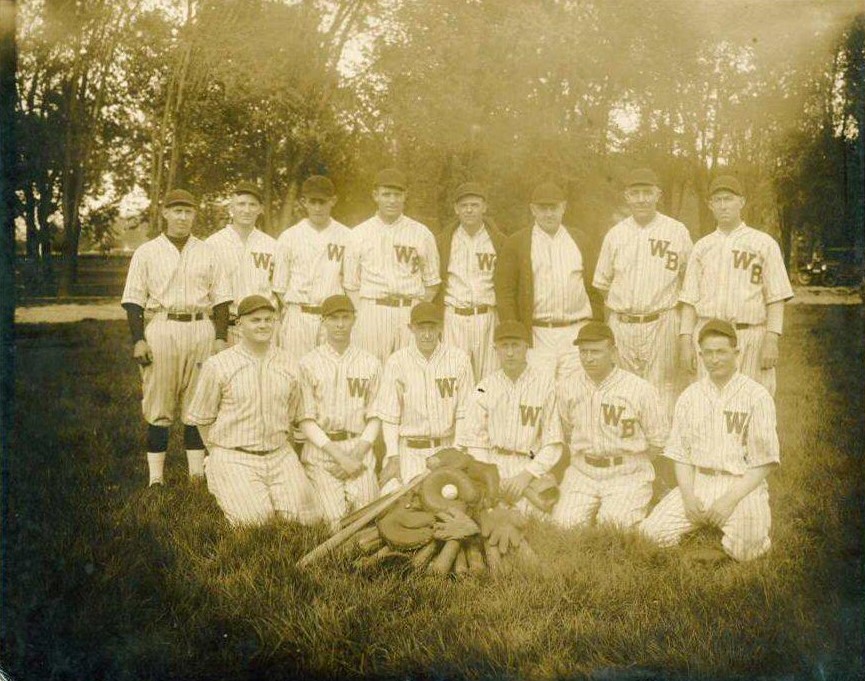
450 491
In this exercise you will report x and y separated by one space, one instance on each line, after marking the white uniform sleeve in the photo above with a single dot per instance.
351 261
282 264
603 278
388 402
475 431
465 386
690 292
135 290
776 282
308 403
551 439
220 287
762 440
374 389
685 252
653 419
204 406
430 260
678 446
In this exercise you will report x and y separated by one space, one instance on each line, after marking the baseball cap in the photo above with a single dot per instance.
252 304
548 192
510 330
426 313
594 331
391 177
469 189
718 327
642 176
726 182
179 197
248 188
335 304
318 187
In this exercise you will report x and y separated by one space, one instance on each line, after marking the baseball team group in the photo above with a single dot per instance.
317 371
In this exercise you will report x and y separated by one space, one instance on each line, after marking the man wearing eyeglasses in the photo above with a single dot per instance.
736 274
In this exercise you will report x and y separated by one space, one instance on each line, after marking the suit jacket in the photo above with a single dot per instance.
444 241
514 280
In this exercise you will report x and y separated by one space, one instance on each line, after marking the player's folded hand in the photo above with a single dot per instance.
694 509
141 353
720 510
769 351
514 487
389 470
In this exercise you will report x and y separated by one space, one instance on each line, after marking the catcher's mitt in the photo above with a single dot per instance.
405 528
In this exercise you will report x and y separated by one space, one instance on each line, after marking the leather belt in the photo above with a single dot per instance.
477 309
514 452
341 435
712 471
394 301
424 442
186 316
743 325
554 325
603 461
638 318
311 309
256 452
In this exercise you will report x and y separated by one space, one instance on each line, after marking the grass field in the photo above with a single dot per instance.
104 581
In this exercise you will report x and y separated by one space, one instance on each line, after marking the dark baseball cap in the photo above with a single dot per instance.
718 327
728 183
510 330
318 187
252 304
248 188
179 197
426 313
335 304
548 192
391 177
469 189
594 331
642 177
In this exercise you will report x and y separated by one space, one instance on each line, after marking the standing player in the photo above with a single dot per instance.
339 383
639 273
176 278
245 402
512 419
616 425
724 444
541 278
467 253
391 263
309 259
245 253
737 274
422 398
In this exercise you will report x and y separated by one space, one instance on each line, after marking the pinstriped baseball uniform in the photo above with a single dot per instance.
723 433
425 398
308 270
250 404
338 392
611 426
560 294
470 284
248 265
384 260
641 270
734 277
163 280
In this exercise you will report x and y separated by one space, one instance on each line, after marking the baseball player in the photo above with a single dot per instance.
737 274
541 278
391 263
724 445
339 383
244 404
176 279
467 256
639 274
422 398
309 261
616 425
512 419
245 253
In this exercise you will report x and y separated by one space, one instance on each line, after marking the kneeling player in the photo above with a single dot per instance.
339 382
724 445
616 424
245 402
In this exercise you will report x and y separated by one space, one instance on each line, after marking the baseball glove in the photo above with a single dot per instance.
503 527
405 528
431 490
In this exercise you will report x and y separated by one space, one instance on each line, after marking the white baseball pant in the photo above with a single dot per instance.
381 329
554 349
300 331
251 488
746 532
618 495
473 334
750 343
412 462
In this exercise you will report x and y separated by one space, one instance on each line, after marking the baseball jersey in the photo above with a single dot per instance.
425 397
729 429
519 415
557 267
309 262
164 279
622 414
398 259
470 270
248 265
338 390
734 276
249 402
641 268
